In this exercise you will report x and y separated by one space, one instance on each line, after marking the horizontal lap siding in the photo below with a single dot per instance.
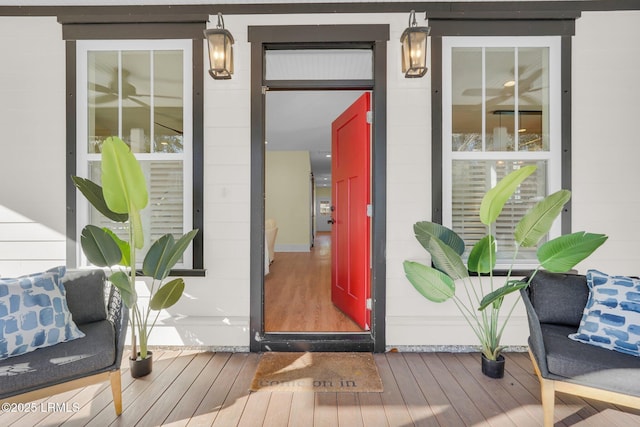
32 176
27 246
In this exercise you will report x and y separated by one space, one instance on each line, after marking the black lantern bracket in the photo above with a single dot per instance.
414 48
220 42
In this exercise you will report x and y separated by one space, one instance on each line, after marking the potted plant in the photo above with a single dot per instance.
121 198
481 304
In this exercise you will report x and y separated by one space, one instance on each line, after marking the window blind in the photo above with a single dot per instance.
471 180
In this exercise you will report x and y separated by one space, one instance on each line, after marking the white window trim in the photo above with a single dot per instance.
553 156
83 157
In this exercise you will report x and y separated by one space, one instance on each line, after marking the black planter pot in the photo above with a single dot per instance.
141 367
493 368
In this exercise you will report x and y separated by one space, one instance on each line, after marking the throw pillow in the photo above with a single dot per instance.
611 318
34 313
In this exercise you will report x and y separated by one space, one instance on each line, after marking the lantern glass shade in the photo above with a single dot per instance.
220 43
414 51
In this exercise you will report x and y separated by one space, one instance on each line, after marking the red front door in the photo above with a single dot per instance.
350 196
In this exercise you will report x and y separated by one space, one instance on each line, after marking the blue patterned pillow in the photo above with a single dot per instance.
611 318
34 313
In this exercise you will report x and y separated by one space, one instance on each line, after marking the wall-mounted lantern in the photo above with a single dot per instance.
220 43
414 48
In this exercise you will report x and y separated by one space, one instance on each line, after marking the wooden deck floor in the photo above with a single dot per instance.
189 388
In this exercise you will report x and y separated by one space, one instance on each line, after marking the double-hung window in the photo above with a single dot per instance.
140 91
501 111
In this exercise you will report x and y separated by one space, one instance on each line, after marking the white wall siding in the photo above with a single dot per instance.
606 139
32 119
215 309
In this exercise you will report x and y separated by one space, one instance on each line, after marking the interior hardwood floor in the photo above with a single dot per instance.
191 388
297 292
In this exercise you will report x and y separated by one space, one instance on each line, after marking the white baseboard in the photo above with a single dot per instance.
292 248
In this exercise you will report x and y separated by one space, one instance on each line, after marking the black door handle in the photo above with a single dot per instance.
331 221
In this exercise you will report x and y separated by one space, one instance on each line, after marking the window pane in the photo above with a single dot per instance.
471 180
495 97
103 90
533 86
467 99
500 101
168 101
145 89
136 95
319 64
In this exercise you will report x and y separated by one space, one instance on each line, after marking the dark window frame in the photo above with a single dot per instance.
564 28
129 31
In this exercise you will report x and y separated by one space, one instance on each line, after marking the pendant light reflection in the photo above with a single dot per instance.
414 48
220 43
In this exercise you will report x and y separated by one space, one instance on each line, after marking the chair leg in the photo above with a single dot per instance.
548 396
116 391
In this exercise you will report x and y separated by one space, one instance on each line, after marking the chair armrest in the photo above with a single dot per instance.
118 315
536 342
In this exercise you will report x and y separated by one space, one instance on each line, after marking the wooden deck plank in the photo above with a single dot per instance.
207 411
102 400
255 410
445 389
182 413
489 409
279 409
302 409
231 411
417 405
325 412
501 391
104 415
372 410
160 410
440 405
349 410
525 396
153 386
454 392
394 407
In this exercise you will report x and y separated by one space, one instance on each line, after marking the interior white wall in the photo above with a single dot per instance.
215 309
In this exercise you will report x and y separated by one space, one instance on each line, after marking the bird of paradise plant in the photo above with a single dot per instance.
121 198
481 304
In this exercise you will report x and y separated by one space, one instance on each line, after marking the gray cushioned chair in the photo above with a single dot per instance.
555 303
92 359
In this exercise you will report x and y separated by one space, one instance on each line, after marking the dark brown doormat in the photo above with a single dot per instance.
321 372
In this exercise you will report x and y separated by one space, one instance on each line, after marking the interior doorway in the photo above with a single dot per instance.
268 43
307 287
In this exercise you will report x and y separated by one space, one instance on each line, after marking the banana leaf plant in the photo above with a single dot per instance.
482 310
121 198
